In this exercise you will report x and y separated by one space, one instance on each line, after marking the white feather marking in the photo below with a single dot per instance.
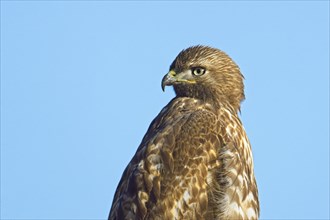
229 114
228 153
240 179
141 164
209 178
175 212
159 166
233 206
152 147
134 207
245 143
233 171
241 212
251 214
228 130
186 196
250 197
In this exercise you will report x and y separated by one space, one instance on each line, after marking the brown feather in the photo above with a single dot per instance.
195 161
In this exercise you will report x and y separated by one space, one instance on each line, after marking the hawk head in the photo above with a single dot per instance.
207 74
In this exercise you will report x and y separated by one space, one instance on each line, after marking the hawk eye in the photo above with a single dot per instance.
198 71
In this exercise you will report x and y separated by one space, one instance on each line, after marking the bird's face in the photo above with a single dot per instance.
189 75
206 73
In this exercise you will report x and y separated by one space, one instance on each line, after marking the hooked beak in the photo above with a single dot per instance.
168 79
172 78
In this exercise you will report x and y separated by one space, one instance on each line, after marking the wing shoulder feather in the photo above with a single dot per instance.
159 156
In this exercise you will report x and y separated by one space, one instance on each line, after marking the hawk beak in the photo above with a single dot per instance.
168 79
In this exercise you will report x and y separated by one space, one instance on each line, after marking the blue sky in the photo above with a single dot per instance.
80 83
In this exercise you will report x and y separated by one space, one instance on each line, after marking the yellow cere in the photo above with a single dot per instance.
172 73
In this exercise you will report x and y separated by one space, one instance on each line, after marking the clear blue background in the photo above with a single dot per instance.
80 83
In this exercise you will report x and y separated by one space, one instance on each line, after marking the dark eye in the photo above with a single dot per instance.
198 71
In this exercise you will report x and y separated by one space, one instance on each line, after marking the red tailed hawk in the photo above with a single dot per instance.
195 161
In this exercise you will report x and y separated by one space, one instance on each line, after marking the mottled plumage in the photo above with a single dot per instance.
195 161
